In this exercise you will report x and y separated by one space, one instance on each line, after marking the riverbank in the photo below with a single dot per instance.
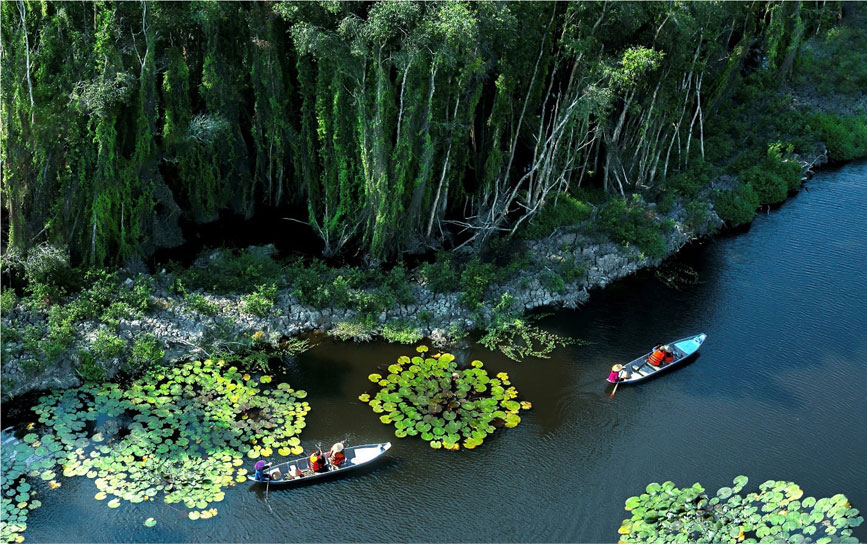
169 321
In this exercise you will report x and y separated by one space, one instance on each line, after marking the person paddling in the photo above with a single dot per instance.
259 469
617 373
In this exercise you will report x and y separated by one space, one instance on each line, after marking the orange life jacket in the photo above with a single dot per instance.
656 357
337 459
315 463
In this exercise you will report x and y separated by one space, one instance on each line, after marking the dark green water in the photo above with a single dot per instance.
776 393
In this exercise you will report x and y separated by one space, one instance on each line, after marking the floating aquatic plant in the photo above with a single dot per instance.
180 433
777 512
20 478
430 397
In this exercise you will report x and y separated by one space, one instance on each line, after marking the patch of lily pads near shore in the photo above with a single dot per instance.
20 484
777 512
446 406
180 434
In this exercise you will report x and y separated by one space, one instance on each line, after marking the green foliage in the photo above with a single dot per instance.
737 206
552 281
629 222
199 303
774 176
688 184
475 279
517 337
845 136
8 300
360 329
777 512
442 275
447 407
260 301
400 331
19 489
835 63
180 434
563 211
89 369
146 352
106 345
233 272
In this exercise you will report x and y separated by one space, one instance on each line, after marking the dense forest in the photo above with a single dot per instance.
388 128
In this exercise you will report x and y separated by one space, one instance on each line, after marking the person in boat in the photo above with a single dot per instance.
656 356
336 456
316 461
260 467
668 354
617 374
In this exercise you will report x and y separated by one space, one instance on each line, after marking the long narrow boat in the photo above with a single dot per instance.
356 456
640 369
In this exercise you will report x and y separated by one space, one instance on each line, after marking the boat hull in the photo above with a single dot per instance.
356 457
640 369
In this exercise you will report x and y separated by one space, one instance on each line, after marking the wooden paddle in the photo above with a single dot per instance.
615 388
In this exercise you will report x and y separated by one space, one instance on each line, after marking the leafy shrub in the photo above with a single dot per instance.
401 332
396 285
88 369
48 272
570 270
737 206
774 176
552 281
475 279
630 222
106 345
361 329
198 303
233 272
61 334
259 302
441 276
845 136
688 184
146 352
561 211
7 300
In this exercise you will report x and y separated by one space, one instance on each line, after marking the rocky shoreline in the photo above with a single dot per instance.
181 330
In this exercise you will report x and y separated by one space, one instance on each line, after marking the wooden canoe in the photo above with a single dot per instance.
640 369
356 456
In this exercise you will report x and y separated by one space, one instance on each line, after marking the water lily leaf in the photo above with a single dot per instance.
114 503
150 522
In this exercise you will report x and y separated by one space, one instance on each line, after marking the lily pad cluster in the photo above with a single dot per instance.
22 475
180 433
447 406
777 512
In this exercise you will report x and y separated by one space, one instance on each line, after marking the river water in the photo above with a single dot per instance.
777 392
